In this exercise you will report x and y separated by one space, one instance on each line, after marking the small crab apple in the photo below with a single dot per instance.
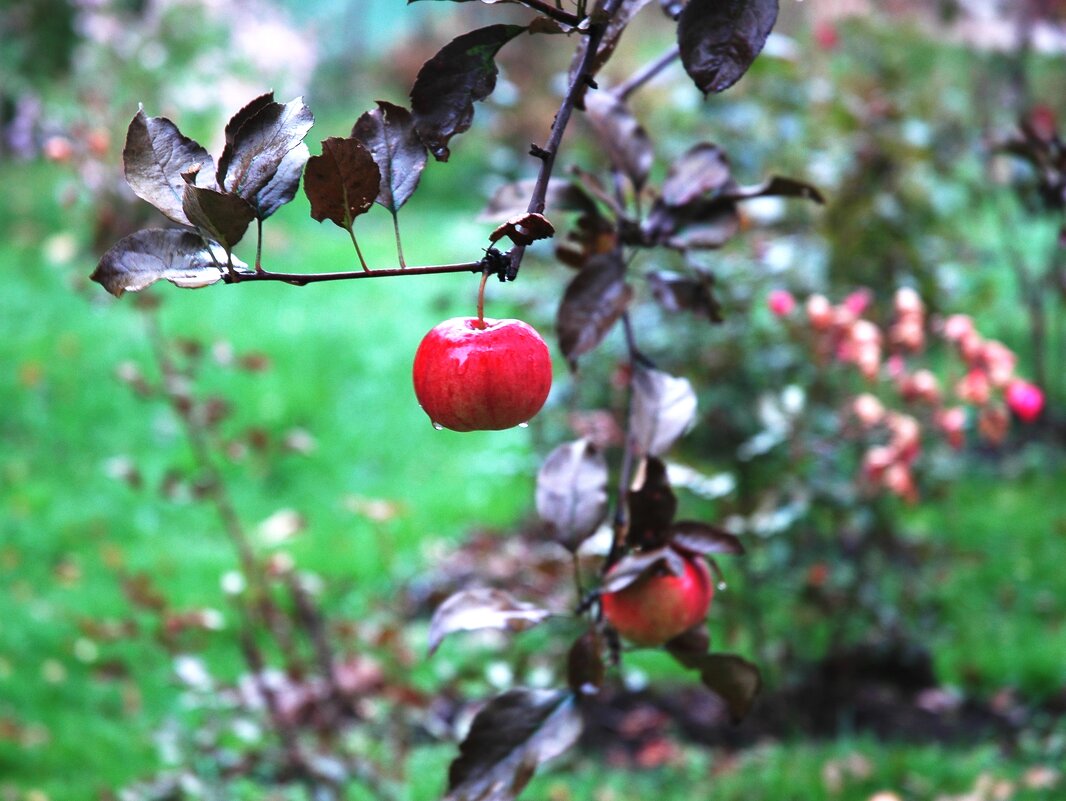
781 302
660 606
473 374
1025 400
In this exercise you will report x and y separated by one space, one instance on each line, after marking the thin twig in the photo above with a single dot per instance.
557 14
641 77
300 279
584 57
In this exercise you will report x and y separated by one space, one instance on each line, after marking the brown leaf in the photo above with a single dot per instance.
388 132
155 156
591 305
509 739
525 229
572 492
703 538
627 143
482 608
444 92
343 182
719 39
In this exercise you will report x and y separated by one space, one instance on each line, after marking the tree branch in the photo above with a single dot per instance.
641 77
584 56
557 14
302 279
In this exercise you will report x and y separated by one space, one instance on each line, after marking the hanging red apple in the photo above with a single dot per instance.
658 607
482 375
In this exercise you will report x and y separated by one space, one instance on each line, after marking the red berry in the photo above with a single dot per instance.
1025 400
658 607
473 375
781 302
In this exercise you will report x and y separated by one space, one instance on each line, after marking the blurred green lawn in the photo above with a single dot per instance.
77 715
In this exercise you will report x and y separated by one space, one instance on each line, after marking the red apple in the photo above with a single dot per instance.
474 375
658 607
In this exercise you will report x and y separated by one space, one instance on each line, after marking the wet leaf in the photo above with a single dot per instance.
282 188
343 182
652 507
509 739
572 491
663 409
675 293
628 145
631 568
776 186
524 229
585 668
591 305
147 256
702 172
220 216
482 608
703 538
155 156
720 39
447 86
388 132
697 226
259 137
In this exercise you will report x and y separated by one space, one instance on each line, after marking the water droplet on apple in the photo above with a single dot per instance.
722 586
437 426
523 425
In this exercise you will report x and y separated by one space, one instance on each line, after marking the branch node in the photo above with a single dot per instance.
496 263
538 152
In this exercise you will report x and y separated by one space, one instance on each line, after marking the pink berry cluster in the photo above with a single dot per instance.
841 334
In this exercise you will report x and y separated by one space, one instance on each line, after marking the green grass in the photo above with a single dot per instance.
340 359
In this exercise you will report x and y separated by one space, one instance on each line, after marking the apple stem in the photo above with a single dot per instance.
481 299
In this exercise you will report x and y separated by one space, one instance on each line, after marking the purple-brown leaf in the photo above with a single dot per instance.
147 256
524 229
388 132
482 609
776 186
155 156
719 39
675 293
652 507
628 145
341 183
585 668
572 491
631 568
662 410
259 137
220 216
591 305
737 680
464 71
509 739
701 173
703 538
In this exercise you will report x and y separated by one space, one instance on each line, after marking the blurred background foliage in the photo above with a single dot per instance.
893 113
